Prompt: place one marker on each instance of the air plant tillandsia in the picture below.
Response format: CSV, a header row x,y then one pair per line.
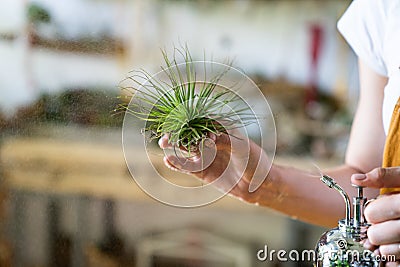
x,y
184,106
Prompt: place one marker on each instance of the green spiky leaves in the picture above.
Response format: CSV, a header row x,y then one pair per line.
x,y
186,100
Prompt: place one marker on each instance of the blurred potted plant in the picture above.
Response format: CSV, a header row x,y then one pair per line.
x,y
37,16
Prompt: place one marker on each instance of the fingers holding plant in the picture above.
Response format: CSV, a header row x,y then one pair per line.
x,y
236,164
199,159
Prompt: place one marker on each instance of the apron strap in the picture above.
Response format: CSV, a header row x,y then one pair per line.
x,y
391,154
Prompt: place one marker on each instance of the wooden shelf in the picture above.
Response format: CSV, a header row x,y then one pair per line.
x,y
106,45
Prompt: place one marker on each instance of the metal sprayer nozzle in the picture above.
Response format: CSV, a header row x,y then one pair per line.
x,y
330,182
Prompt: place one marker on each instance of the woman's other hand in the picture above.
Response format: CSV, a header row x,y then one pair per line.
x,y
384,212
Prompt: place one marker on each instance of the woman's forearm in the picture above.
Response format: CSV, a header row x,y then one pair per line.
x,y
302,195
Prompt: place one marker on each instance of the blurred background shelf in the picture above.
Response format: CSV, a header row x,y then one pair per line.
x,y
103,45
89,161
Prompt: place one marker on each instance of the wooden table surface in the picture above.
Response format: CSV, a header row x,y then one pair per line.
x,y
88,161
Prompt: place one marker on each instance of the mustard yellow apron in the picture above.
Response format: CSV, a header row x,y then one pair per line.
x,y
391,154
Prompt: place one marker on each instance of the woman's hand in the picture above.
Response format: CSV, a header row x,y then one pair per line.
x,y
234,164
384,212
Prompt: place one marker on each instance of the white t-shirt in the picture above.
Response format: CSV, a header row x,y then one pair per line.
x,y
372,29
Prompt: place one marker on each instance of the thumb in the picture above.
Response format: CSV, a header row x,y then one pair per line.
x,y
221,140
378,178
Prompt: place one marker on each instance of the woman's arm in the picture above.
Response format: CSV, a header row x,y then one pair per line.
x,y
367,138
297,193
312,201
